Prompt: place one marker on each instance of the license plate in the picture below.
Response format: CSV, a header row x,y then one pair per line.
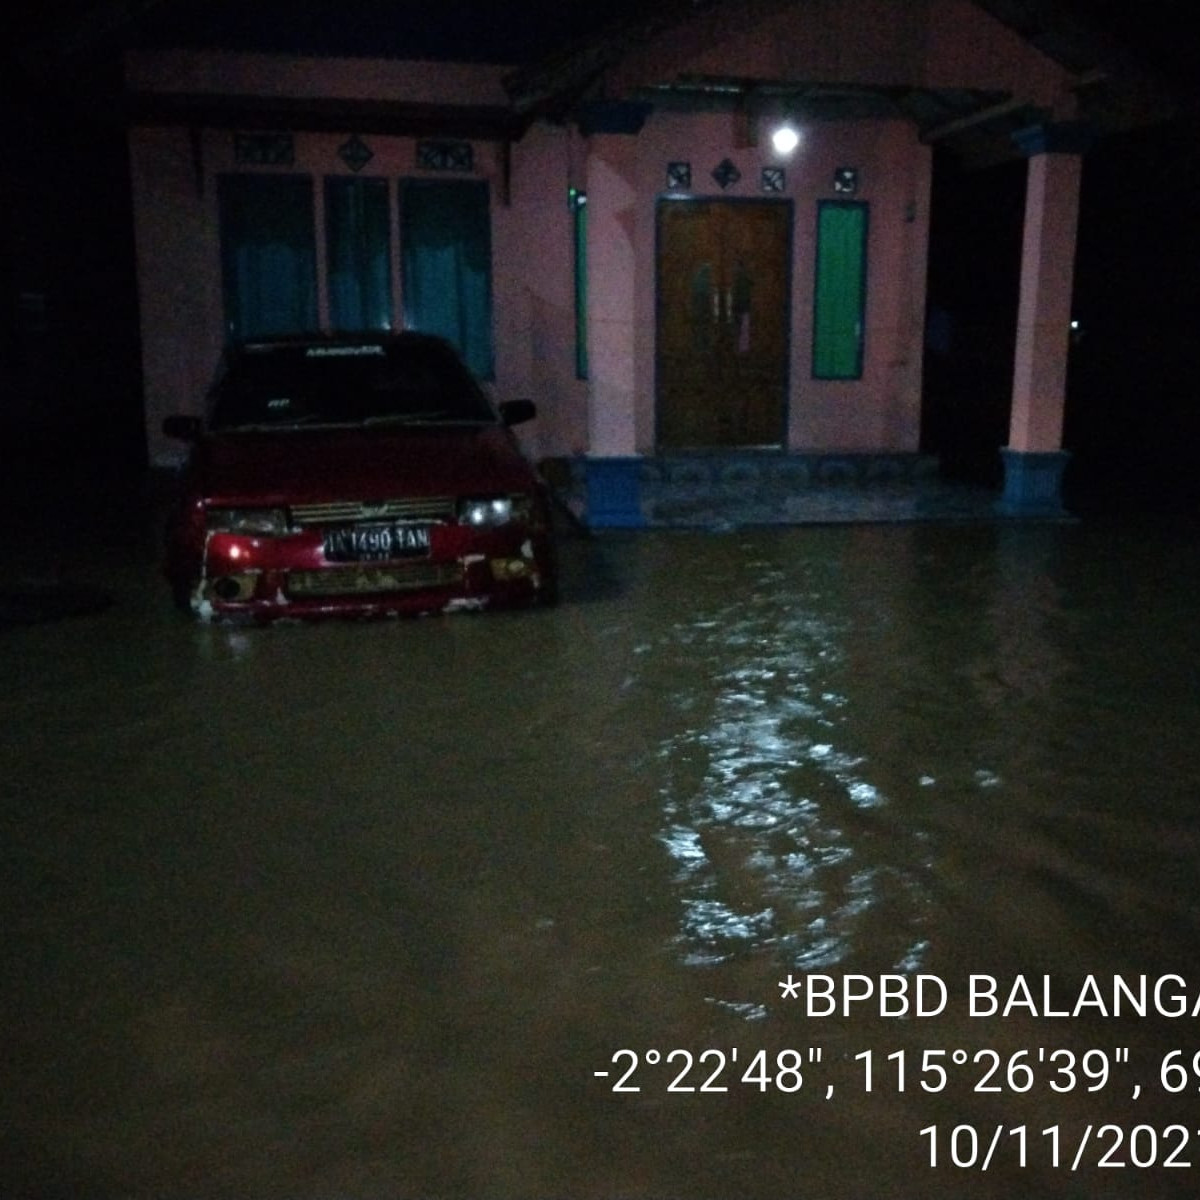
x,y
376,543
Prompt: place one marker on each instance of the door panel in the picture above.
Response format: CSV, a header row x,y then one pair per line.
x,y
722,322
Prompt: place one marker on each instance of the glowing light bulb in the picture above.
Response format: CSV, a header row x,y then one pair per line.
x,y
785,139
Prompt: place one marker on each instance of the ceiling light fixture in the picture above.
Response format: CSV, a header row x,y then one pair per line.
x,y
785,139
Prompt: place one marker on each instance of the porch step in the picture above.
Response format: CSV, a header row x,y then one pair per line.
x,y
711,490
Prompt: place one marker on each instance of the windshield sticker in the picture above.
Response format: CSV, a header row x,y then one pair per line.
x,y
344,351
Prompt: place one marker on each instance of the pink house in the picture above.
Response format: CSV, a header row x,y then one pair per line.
x,y
701,238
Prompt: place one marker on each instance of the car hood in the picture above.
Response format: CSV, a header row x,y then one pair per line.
x,y
308,466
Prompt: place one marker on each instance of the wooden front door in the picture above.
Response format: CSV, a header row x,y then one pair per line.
x,y
723,319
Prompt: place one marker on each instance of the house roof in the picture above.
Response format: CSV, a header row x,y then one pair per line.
x,y
1116,88
1124,73
65,47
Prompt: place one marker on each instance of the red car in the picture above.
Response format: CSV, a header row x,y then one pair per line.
x,y
355,475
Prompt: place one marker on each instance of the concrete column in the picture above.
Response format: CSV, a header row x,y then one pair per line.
x,y
1034,459
612,466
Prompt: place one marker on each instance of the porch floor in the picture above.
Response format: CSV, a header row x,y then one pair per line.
x,y
720,491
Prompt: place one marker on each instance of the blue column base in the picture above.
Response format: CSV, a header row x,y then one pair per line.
x,y
1032,483
614,493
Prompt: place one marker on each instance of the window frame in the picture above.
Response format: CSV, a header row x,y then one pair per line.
x,y
234,201
380,185
409,187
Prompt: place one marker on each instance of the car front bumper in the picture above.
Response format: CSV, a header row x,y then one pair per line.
x,y
265,578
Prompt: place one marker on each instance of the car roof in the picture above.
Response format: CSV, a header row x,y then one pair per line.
x,y
303,341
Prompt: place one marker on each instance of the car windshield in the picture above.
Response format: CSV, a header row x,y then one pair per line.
x,y
347,383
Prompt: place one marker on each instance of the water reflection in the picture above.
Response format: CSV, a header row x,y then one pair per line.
x,y
1022,602
768,810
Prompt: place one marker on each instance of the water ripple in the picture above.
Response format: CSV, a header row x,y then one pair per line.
x,y
767,810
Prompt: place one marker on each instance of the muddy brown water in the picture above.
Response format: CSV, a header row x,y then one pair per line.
x,y
365,910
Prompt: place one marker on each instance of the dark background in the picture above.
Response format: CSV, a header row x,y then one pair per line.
x,y
70,389
1132,420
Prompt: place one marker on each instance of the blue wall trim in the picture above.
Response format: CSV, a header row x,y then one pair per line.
x,y
614,493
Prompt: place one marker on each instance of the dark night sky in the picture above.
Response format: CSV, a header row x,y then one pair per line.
x,y
1153,30
474,30
491,32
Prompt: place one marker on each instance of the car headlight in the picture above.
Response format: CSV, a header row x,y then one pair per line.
x,y
483,512
246,520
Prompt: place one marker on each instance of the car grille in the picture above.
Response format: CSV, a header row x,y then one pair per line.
x,y
352,581
338,512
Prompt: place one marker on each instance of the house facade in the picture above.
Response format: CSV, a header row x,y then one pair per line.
x,y
618,233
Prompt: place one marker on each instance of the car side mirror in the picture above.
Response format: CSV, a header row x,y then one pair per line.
x,y
517,412
186,429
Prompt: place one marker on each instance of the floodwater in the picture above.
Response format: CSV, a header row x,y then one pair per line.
x,y
400,909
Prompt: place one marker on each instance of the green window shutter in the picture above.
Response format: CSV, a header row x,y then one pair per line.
x,y
358,253
578,202
446,260
841,286
268,254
